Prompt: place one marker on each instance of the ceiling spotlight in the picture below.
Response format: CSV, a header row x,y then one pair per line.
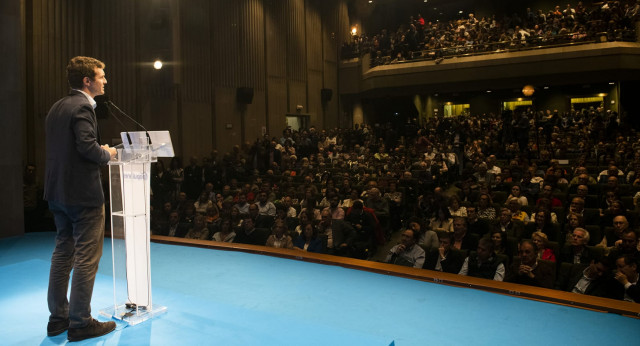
x,y
157,64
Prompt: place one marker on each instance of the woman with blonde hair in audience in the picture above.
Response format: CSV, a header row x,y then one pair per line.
x,y
542,242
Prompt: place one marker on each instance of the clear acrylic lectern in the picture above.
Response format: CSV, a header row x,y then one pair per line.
x,y
129,176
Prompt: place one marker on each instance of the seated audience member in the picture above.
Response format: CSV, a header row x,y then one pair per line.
x,y
247,233
576,250
627,276
500,246
484,208
541,241
544,203
309,240
280,238
516,212
174,228
199,229
211,215
455,207
408,253
242,204
507,225
620,224
340,235
547,192
304,219
528,270
573,221
542,223
612,171
336,211
428,238
287,203
516,193
442,221
226,233
462,240
364,225
203,203
259,220
627,245
445,258
594,280
265,207
476,225
484,263
375,201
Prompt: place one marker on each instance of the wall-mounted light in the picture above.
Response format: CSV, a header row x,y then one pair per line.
x,y
157,64
354,30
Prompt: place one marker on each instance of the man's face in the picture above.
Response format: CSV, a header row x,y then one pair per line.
x,y
407,238
627,269
483,252
620,224
597,270
629,241
96,85
471,213
527,254
262,197
445,243
547,190
578,238
334,201
582,190
505,216
286,202
253,210
174,218
577,205
459,226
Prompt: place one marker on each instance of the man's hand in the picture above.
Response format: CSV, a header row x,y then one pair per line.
x,y
112,151
441,251
400,249
621,278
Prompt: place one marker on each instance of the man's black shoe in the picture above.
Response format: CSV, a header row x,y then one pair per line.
x,y
92,330
57,328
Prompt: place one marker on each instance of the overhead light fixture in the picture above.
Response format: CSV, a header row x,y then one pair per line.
x,y
546,88
612,83
488,91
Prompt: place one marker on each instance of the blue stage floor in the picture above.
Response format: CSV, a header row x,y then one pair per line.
x,y
230,298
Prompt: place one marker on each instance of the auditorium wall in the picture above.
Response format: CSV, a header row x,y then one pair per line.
x,y
286,51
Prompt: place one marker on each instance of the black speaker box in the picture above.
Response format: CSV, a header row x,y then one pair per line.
x,y
244,95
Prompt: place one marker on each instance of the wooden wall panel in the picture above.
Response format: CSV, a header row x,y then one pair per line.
x,y
57,33
196,50
314,85
296,41
277,104
252,48
276,38
225,41
227,112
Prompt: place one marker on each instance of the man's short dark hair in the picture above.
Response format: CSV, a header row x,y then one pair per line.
x,y
80,67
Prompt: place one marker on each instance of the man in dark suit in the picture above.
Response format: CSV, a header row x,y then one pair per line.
x,y
73,188
445,258
594,280
340,235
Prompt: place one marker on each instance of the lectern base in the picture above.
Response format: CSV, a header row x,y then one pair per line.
x,y
133,316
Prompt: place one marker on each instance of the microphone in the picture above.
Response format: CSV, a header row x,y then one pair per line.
x,y
111,104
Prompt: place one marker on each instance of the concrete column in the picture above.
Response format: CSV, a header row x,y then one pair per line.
x,y
12,120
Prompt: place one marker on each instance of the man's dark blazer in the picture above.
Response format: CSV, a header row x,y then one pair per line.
x,y
601,287
342,233
73,154
452,264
